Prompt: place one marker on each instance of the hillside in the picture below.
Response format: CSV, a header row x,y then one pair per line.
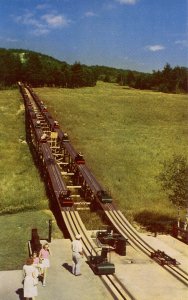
x,y
124,144
23,201
23,53
126,135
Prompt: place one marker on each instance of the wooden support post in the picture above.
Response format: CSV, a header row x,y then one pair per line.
x,y
50,231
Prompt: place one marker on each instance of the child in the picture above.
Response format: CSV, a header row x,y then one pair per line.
x,y
35,258
44,258
36,263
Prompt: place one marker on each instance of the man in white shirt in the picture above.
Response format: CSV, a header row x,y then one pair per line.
x,y
77,254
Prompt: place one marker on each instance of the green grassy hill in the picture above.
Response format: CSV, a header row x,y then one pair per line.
x,y
125,136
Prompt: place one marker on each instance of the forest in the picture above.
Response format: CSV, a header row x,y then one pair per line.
x,y
42,70
169,80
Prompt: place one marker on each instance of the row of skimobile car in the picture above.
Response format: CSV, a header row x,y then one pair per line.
x,y
37,116
74,160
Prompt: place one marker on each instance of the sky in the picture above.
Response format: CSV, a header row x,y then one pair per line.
x,y
140,35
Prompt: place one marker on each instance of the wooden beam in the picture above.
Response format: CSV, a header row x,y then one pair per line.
x,y
82,203
74,186
66,173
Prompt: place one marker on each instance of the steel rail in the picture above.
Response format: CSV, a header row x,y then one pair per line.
x,y
111,277
150,248
124,232
124,227
75,225
137,241
127,231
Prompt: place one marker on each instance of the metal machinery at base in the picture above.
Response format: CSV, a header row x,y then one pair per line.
x,y
100,264
163,259
113,239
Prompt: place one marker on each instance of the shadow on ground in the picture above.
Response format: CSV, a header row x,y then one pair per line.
x,y
154,221
67,267
19,292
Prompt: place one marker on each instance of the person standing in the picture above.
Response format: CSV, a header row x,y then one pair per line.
x,y
30,280
45,262
77,254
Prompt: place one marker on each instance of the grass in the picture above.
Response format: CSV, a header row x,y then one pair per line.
x,y
125,136
20,185
16,231
21,188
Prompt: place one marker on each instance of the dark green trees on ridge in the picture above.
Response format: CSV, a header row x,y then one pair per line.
x,y
169,80
42,70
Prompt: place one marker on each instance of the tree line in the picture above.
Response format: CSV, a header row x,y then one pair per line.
x,y
42,70
169,80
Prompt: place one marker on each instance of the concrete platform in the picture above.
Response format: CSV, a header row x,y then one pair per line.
x,y
61,284
11,285
144,278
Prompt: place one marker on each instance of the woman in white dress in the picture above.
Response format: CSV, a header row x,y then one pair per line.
x,y
30,280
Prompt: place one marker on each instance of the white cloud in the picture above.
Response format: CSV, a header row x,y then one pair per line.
x,y
42,6
28,19
11,40
131,2
43,24
155,48
55,20
90,14
40,31
183,43
110,6
8,39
